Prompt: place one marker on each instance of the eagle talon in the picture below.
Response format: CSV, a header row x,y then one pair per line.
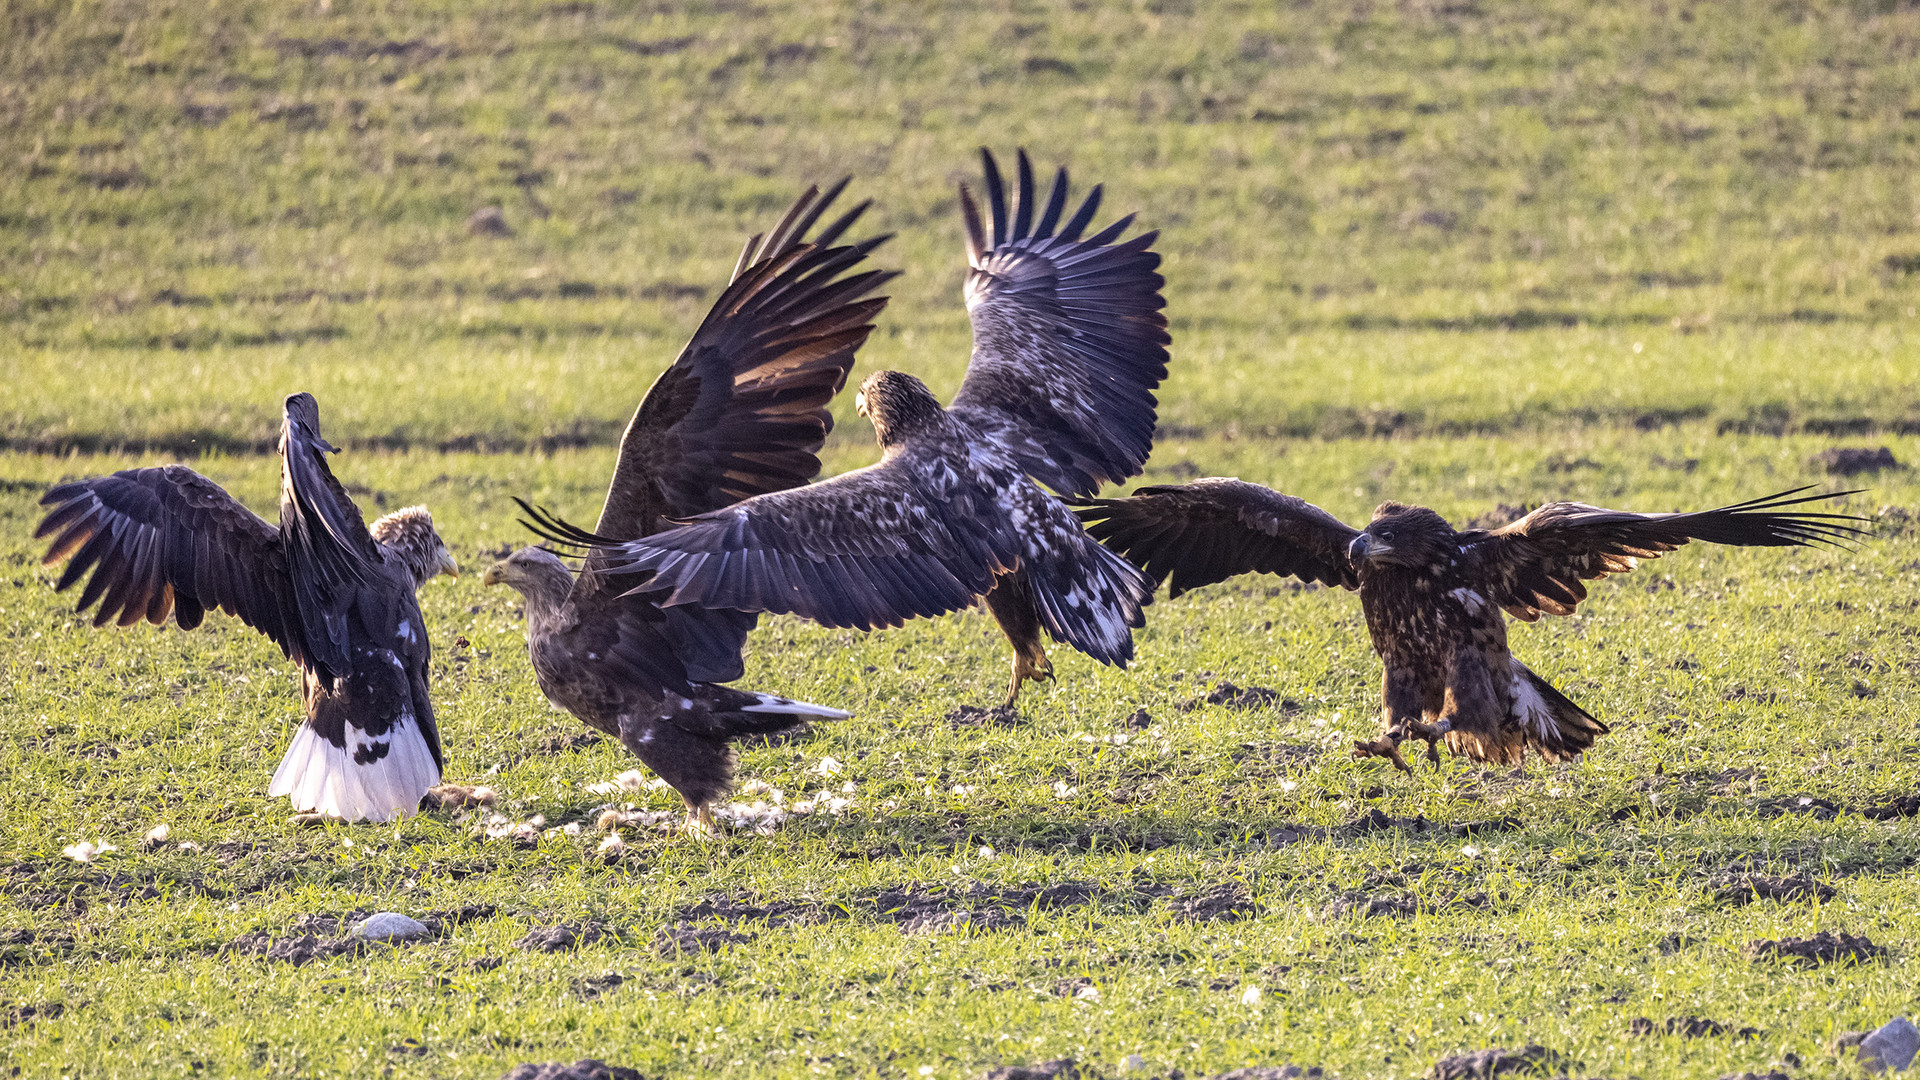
x,y
700,824
1385,746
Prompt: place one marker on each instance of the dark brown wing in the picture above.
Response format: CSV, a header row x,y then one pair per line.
x,y
329,552
1069,339
1535,566
1213,529
743,410
169,540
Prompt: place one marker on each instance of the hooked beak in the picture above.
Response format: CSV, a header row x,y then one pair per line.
x,y
449,567
495,574
860,403
1357,551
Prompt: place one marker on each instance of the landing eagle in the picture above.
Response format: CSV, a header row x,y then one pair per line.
x,y
1433,596
334,594
742,411
1069,343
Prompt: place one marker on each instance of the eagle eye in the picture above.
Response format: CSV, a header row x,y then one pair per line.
x,y
1387,535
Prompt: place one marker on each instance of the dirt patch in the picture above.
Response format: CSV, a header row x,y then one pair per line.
x,y
1811,805
29,1014
1061,1069
562,937
973,716
441,921
584,1069
1496,1061
1854,460
1743,889
683,940
560,742
296,949
1825,947
921,909
1141,720
1226,902
1900,806
588,987
1402,906
1230,696
1689,1027
1274,1072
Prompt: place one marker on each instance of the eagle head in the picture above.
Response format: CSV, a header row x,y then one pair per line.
x,y
1402,535
898,404
535,573
410,534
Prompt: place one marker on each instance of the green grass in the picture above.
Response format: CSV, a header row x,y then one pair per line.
x,y
1648,256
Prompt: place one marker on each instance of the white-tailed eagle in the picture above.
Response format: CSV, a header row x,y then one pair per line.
x,y
1433,597
743,411
335,595
1069,343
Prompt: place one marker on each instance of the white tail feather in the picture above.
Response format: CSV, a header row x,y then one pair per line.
x,y
773,703
322,778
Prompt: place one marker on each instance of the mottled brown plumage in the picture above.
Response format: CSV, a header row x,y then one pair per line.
x,y
1069,343
336,596
1433,596
742,411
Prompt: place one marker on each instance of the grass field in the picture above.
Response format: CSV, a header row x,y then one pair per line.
x,y
1468,254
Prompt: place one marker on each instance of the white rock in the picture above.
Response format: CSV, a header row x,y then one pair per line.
x,y
1250,996
391,926
86,850
1891,1046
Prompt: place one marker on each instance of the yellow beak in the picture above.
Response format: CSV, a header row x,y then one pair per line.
x,y
495,574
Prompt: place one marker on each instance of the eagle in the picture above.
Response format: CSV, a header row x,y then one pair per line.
x,y
1433,596
336,595
1069,343
742,411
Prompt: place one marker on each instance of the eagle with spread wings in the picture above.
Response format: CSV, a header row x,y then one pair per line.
x,y
334,594
1069,343
741,412
1433,596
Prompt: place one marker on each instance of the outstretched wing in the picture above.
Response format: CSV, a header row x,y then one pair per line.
x,y
329,552
1213,529
1069,339
169,540
1535,566
914,536
744,409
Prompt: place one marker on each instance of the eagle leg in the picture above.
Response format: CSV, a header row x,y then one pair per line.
x,y
1012,604
700,824
1431,734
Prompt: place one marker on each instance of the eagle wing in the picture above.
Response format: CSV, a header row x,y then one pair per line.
x,y
744,409
1535,566
916,535
1213,529
168,539
1069,339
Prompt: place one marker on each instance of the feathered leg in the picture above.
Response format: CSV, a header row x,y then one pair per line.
x,y
1012,604
1400,709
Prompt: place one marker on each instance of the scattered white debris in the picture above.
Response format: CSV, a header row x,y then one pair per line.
x,y
188,846
1250,996
849,787
985,852
761,787
1470,851
502,827
926,1070
571,828
86,850
1116,739
462,796
828,767
1064,790
962,790
156,837
631,780
1133,1063
1087,993
1289,785
759,816
391,926
612,847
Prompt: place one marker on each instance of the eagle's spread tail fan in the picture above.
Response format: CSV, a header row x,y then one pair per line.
x,y
366,778
1091,599
1554,727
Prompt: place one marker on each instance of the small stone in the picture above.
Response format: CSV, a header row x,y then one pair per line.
x,y
391,926
1890,1047
489,221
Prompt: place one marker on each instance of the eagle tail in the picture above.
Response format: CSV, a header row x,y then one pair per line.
x,y
1554,727
367,778
1090,598
771,713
